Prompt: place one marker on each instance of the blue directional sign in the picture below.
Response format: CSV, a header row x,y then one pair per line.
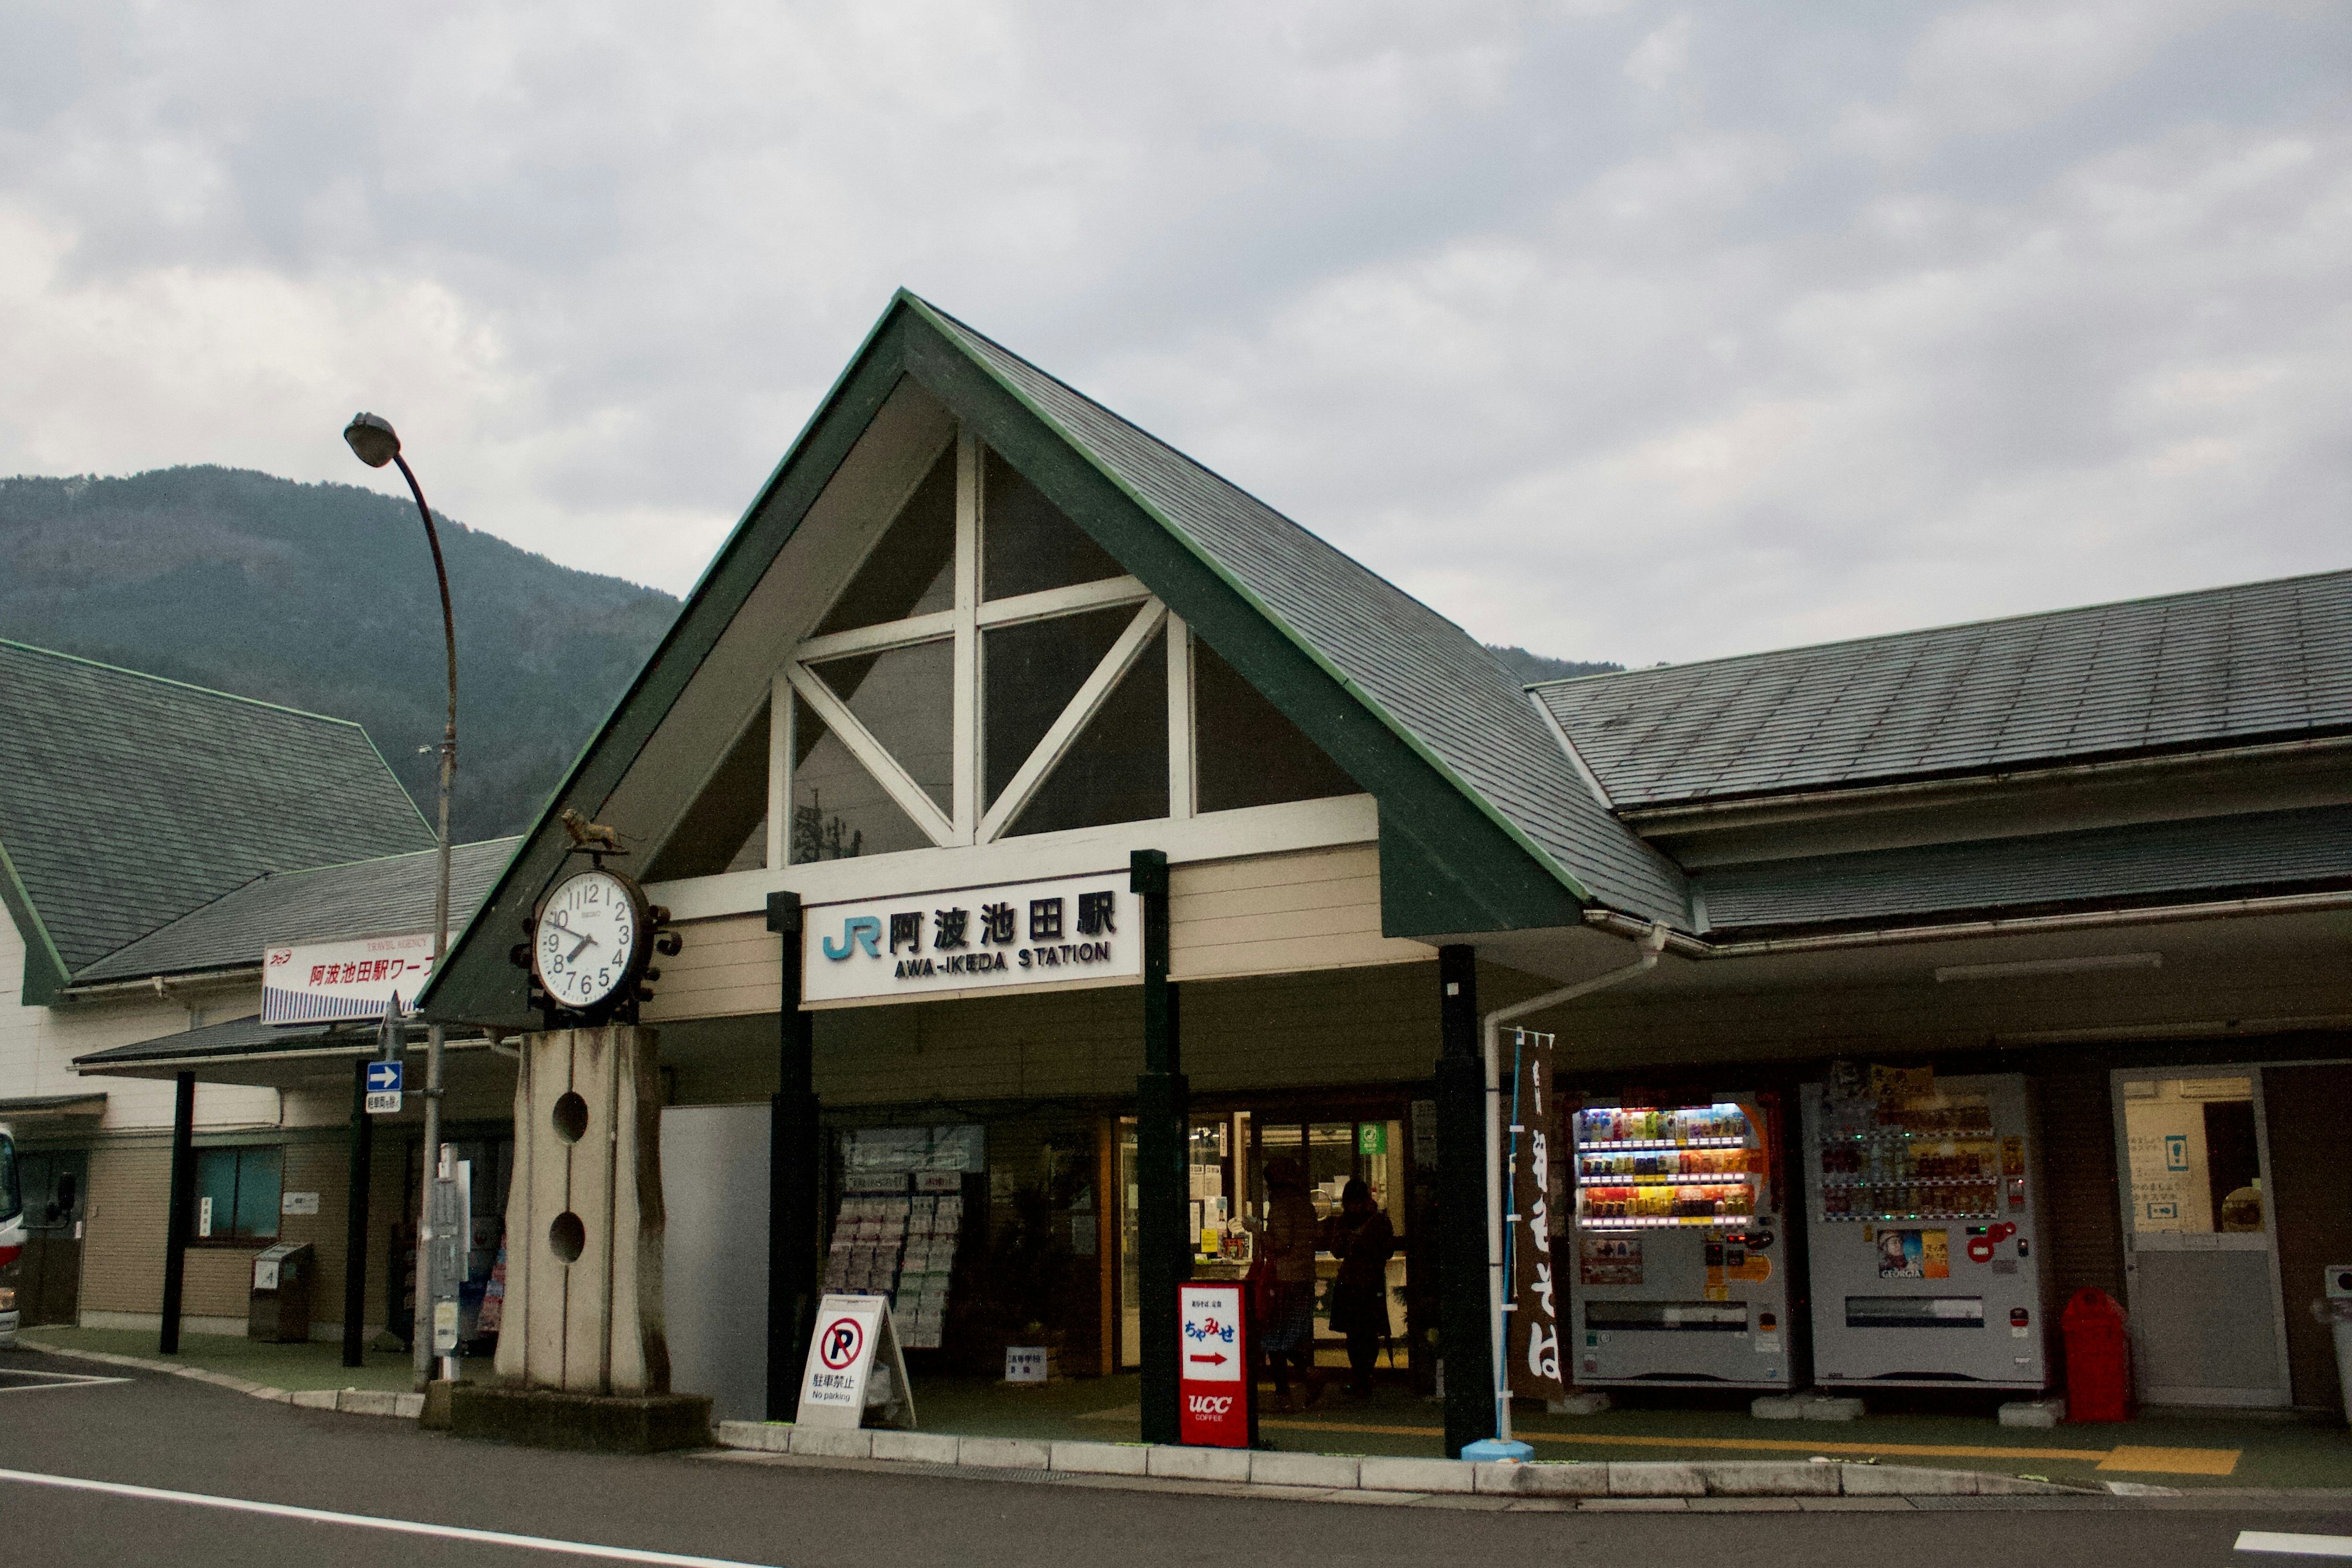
x,y
383,1084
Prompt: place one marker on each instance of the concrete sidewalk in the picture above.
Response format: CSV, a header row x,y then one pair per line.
x,y
291,1368
2170,1450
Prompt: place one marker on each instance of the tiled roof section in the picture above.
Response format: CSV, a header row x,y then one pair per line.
x,y
2223,666
237,1037
368,898
2201,857
1423,674
127,801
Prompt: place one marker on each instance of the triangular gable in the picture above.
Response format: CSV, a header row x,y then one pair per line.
x,y
1483,823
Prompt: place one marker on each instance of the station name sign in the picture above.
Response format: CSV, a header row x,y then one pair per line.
x,y
1070,929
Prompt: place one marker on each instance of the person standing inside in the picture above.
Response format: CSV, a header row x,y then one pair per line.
x,y
1286,1329
1364,1241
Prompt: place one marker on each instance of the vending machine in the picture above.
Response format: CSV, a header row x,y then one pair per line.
x,y
1677,1263
1923,1198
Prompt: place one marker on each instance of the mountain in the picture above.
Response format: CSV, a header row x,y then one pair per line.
x,y
321,597
1534,666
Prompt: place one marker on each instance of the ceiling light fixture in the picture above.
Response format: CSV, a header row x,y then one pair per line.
x,y
2032,967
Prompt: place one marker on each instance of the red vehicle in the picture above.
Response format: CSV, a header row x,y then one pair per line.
x,y
12,1238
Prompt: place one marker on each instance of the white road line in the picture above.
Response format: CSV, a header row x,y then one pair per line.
x,y
369,1522
2287,1545
56,1380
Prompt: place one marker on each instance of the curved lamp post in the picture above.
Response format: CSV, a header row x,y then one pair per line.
x,y
373,438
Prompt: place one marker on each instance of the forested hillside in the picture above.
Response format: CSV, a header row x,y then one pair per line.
x,y
321,596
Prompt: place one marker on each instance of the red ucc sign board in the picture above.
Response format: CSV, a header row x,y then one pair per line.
x,y
1214,1381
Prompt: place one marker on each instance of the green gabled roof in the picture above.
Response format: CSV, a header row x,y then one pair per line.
x,y
127,800
388,895
1485,824
2219,666
1434,684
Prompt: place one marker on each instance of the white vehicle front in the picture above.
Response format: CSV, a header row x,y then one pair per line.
x,y
12,1238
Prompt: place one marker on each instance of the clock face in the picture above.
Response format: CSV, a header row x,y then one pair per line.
x,y
589,940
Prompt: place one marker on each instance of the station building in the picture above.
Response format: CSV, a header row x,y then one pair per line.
x,y
981,656
979,642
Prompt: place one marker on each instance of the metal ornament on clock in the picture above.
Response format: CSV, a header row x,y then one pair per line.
x,y
615,1000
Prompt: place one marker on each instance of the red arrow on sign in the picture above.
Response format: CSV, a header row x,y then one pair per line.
x,y
1217,1360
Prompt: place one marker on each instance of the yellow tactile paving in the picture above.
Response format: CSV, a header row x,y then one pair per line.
x,y
2173,1461
2153,1461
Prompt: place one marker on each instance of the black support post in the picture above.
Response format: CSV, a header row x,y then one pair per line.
x,y
178,1216
355,1223
1463,1321
1165,1259
795,1148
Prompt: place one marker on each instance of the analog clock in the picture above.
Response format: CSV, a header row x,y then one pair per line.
x,y
591,942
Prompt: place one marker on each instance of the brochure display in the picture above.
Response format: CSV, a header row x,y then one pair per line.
x,y
1677,1263
902,1247
1924,1200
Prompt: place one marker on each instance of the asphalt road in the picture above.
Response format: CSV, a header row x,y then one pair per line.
x,y
176,1436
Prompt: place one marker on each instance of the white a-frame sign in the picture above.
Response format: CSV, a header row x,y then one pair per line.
x,y
854,1369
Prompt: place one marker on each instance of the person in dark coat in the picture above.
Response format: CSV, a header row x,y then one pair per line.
x,y
1360,1236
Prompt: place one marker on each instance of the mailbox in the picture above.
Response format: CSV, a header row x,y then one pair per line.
x,y
278,1310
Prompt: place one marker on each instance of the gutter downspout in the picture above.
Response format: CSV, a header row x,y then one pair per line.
x,y
1653,941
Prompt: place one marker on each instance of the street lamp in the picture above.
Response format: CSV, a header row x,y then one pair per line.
x,y
376,443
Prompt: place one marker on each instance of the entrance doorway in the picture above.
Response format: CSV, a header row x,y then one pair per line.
x,y
54,1181
2201,1247
1228,1151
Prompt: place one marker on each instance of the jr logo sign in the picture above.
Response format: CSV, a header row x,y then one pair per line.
x,y
858,930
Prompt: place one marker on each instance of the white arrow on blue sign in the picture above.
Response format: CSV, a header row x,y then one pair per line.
x,y
383,1080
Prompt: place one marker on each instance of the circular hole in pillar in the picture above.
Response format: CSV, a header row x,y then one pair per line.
x,y
567,1236
571,1117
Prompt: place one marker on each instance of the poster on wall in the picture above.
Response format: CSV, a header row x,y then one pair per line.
x,y
1065,933
1538,1293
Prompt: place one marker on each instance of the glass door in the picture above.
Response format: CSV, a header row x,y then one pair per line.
x,y
2201,1259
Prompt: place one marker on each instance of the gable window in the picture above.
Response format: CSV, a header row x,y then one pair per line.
x,y
236,1195
989,671
1249,753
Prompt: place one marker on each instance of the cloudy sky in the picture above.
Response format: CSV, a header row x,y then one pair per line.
x,y
1624,331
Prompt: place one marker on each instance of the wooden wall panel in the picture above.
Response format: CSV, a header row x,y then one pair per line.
x,y
2309,1109
1319,909
728,967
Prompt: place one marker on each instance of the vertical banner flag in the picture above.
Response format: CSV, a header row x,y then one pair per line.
x,y
1537,1292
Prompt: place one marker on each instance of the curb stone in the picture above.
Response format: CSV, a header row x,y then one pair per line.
x,y
1385,1478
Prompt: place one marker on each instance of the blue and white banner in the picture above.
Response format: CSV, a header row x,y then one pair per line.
x,y
335,980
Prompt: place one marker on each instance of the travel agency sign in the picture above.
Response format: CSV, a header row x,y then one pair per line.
x,y
1064,932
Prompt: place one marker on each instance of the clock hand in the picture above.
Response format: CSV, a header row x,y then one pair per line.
x,y
585,941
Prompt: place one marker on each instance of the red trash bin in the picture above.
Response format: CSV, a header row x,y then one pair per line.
x,y
2098,1358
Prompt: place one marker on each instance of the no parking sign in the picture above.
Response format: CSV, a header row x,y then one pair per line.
x,y
841,1382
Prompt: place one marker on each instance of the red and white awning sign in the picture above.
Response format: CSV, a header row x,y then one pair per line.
x,y
308,983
